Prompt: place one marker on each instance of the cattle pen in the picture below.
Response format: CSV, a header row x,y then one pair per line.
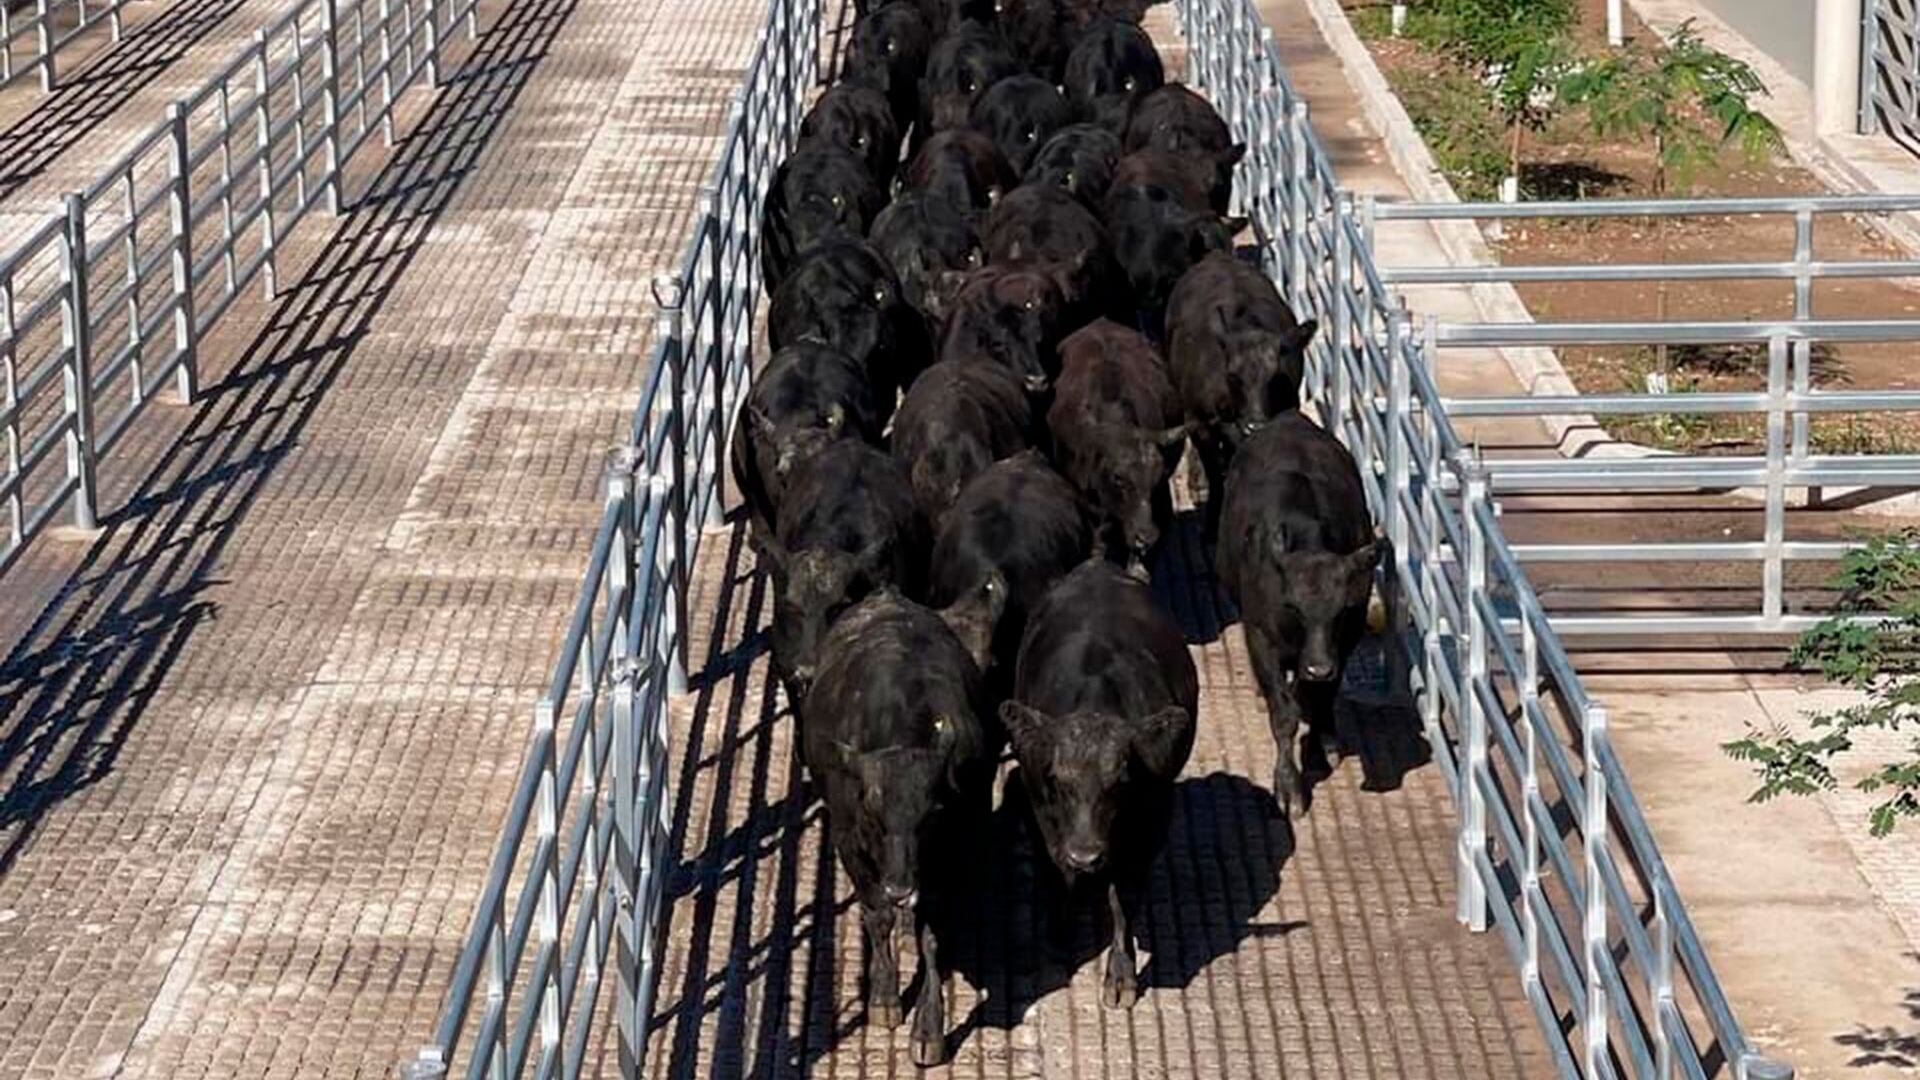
x,y
660,902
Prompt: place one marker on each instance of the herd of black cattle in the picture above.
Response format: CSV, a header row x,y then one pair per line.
x,y
1050,281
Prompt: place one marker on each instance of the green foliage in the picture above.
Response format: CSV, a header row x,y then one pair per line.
x,y
1451,111
1693,101
1880,660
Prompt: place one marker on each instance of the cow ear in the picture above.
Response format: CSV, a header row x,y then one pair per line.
x,y
1361,562
1234,154
1297,337
1023,722
1161,742
1172,436
758,418
1234,225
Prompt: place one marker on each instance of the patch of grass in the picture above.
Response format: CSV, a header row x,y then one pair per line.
x,y
1455,114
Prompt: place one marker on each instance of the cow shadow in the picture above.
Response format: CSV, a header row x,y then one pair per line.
x,y
1219,869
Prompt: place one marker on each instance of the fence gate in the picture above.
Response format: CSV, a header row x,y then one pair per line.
x,y
1890,70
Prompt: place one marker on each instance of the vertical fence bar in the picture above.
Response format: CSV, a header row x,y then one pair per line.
x,y
720,236
130,250
6,44
1432,573
1472,890
386,73
668,295
547,917
268,232
1297,160
1529,678
226,188
1802,309
1774,572
330,71
1341,331
1869,119
299,47
433,44
76,331
43,33
186,333
1595,954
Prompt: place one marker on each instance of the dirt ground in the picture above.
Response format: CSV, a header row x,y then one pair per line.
x,y
1567,161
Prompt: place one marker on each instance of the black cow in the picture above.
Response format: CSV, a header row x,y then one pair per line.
x,y
807,397
858,120
922,237
1010,316
1102,722
1186,178
1175,119
895,735
1032,33
962,168
845,295
888,52
1157,240
1019,114
1112,65
1297,553
1079,159
820,192
1237,355
957,419
846,527
960,69
1046,226
1019,520
1117,435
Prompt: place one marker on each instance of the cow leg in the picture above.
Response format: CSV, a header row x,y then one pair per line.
x,y
1120,987
930,1010
1213,460
883,965
1322,745
1283,717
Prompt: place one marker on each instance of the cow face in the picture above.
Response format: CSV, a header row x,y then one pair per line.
x,y
900,790
818,585
959,71
1077,770
786,446
859,121
888,52
1019,115
1263,372
1128,465
1009,317
1317,588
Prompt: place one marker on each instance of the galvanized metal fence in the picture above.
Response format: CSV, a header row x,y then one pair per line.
x,y
103,306
31,41
1791,465
1890,70
578,879
1552,847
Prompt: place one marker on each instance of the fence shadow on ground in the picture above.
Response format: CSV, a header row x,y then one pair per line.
x,y
74,686
88,95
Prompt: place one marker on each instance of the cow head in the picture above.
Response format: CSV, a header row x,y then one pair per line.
x,y
1012,317
901,792
787,446
1318,587
1263,371
944,467
1128,465
1078,768
816,586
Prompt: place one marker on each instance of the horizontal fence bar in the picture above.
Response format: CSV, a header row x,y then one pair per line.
x,y
1674,333
1728,271
1389,209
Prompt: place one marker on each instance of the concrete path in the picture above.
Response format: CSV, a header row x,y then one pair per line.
x,y
1784,28
255,739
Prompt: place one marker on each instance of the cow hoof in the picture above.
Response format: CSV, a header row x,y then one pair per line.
x,y
1290,798
929,1049
887,1014
1119,990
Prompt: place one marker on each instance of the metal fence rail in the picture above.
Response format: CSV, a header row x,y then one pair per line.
x,y
1552,848
1789,463
579,871
103,306
31,40
1890,70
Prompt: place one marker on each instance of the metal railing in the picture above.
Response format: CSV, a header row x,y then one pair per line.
x,y
105,304
1890,70
31,40
1552,847
581,868
1789,462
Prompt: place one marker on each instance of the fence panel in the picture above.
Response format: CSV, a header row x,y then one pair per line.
x,y
1890,70
31,39
176,231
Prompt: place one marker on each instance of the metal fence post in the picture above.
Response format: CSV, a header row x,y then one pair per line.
x,y
433,44
43,33
386,73
669,295
330,72
1472,890
1297,158
186,332
1593,835
1338,330
1869,119
268,231
1529,680
1774,569
76,331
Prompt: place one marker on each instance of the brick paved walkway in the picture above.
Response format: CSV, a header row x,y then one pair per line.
x,y
255,739
258,736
